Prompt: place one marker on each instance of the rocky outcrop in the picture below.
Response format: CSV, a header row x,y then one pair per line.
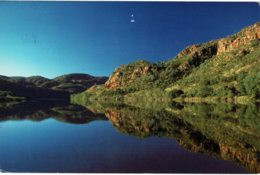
x,y
242,38
188,50
126,74
197,52
114,80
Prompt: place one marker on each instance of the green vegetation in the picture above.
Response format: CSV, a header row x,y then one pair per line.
x,y
225,75
215,71
98,94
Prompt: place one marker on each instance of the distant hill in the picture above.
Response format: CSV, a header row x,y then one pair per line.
x,y
226,69
74,83
41,87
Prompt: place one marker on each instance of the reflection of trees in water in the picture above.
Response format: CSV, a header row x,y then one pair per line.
x,y
41,110
228,131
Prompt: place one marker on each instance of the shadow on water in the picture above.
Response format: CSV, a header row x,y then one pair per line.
x,y
226,131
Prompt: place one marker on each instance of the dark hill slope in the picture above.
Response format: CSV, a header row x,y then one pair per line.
x,y
18,90
41,87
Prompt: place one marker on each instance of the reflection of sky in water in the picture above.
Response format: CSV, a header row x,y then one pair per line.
x,y
52,146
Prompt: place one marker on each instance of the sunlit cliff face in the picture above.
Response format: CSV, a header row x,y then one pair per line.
x,y
242,38
127,74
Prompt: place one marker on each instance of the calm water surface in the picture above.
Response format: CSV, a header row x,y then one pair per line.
x,y
52,145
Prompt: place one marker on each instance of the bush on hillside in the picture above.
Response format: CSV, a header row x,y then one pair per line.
x,y
204,89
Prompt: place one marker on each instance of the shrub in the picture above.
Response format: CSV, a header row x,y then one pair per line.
x,y
251,84
204,91
225,91
255,43
176,93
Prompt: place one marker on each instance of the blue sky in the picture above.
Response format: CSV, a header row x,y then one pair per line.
x,y
55,38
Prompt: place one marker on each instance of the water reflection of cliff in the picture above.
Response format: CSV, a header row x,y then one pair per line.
x,y
229,132
41,110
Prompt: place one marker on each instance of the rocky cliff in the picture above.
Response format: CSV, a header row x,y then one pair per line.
x,y
123,75
240,39
186,60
